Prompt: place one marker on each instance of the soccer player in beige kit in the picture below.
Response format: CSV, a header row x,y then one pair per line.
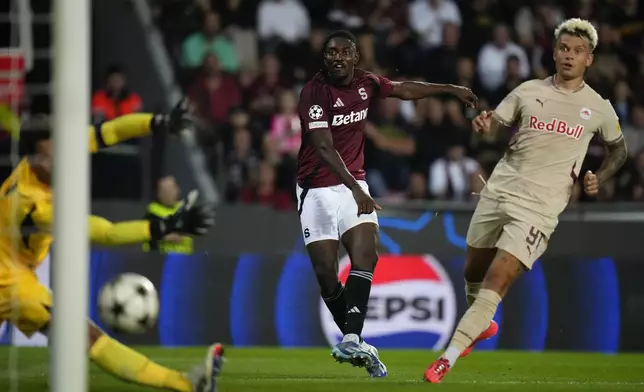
x,y
531,185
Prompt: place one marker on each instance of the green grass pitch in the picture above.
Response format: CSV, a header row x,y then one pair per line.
x,y
311,370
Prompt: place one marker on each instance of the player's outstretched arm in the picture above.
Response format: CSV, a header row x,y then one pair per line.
x,y
190,219
104,232
410,90
138,125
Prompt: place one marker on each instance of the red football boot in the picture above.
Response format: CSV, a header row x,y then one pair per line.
x,y
436,371
492,330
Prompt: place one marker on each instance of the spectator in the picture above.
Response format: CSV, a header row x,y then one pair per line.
x,y
628,18
282,20
284,139
395,44
607,65
431,135
115,98
417,187
493,56
512,80
479,18
308,59
347,15
455,176
621,100
240,19
638,181
537,22
466,76
214,92
263,190
441,62
285,135
392,147
261,94
444,41
459,125
634,132
428,17
241,162
210,41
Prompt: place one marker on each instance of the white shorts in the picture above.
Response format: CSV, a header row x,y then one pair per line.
x,y
327,213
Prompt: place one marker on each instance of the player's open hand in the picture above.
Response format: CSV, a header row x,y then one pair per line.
x,y
591,184
366,204
482,122
465,95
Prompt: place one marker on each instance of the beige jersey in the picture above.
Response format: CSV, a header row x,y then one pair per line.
x,y
545,156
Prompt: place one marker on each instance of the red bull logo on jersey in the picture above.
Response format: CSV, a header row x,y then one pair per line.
x,y
412,304
341,119
558,126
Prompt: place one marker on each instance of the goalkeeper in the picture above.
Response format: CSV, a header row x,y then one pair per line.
x,y
25,238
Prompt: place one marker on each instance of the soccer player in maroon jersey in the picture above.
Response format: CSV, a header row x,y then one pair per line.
x,y
333,198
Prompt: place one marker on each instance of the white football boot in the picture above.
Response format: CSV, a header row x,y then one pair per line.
x,y
204,377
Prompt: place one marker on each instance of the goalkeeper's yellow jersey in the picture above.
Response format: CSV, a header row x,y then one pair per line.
x,y
26,210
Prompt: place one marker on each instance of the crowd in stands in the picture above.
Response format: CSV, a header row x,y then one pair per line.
x,y
243,62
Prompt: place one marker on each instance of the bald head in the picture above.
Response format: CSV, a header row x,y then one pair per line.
x,y
168,191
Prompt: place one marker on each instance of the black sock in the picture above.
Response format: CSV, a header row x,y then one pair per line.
x,y
358,288
337,305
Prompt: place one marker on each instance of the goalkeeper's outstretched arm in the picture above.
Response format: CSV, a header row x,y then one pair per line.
x,y
104,232
119,130
132,126
190,218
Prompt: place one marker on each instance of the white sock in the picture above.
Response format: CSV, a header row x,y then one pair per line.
x,y
451,355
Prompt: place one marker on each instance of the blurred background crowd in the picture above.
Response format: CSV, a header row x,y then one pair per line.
x,y
243,63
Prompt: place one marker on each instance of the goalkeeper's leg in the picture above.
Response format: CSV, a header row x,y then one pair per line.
x,y
129,365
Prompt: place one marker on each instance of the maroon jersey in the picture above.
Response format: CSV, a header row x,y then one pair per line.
x,y
343,110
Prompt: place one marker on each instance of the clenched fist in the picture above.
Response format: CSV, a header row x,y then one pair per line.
x,y
591,185
482,122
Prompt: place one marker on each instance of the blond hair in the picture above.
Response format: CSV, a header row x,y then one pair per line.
x,y
580,28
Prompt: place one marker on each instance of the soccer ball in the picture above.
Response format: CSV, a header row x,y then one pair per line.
x,y
129,303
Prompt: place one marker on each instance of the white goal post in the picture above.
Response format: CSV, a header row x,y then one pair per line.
x,y
71,104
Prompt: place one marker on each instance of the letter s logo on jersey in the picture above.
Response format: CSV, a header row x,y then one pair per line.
x,y
412,304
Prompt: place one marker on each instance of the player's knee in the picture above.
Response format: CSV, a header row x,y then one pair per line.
x,y
477,262
503,271
364,257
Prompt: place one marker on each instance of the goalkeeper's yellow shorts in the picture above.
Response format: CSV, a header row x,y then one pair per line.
x,y
25,303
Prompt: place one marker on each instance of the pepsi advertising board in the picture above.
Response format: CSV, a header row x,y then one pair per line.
x,y
412,304
260,290
416,300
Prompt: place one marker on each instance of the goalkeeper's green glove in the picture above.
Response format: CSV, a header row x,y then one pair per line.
x,y
190,219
